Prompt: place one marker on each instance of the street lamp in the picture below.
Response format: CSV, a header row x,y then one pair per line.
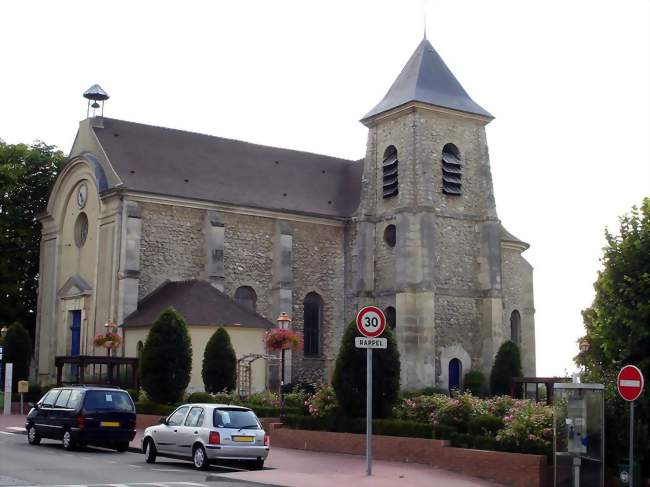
x,y
283,322
584,348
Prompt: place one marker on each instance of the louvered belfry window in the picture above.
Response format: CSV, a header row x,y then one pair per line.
x,y
452,171
390,172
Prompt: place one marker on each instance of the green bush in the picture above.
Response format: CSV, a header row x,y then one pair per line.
x,y
34,394
146,406
474,381
308,387
200,397
349,378
507,364
346,424
485,425
425,391
485,443
167,358
462,440
134,393
443,432
219,363
18,351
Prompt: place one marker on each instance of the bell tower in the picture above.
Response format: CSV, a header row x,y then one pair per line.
x,y
428,237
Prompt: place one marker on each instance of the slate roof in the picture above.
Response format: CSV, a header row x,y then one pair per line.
x,y
171,162
199,302
426,78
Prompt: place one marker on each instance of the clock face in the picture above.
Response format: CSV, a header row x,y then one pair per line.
x,y
82,195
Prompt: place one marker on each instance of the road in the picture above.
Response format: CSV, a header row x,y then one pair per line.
x,y
49,465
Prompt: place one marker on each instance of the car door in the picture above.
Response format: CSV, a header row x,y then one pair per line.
x,y
43,421
166,433
60,414
189,431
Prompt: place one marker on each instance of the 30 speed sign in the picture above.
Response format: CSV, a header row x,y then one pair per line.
x,y
371,321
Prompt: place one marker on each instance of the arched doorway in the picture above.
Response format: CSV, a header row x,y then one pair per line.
x,y
455,374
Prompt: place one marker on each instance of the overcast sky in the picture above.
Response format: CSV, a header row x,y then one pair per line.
x,y
567,81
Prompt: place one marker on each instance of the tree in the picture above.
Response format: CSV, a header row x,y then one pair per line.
x,y
349,378
26,175
617,328
18,351
166,361
507,364
219,363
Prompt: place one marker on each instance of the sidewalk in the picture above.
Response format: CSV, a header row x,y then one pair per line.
x,y
297,468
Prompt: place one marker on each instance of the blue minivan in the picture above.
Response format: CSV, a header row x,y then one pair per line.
x,y
83,415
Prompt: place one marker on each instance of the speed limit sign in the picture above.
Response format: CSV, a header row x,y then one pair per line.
x,y
371,321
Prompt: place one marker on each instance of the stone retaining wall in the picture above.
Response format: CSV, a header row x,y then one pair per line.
x,y
513,469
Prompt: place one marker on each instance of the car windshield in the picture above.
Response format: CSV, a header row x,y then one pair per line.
x,y
108,401
236,419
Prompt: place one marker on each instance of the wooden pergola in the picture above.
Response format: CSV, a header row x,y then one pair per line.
x,y
119,371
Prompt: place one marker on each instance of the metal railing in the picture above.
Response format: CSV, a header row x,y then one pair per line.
x,y
92,369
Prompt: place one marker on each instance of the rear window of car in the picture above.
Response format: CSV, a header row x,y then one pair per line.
x,y
235,418
108,401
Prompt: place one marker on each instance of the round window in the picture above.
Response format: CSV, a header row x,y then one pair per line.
x,y
390,235
81,230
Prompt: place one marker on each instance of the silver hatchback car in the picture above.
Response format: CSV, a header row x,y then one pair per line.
x,y
205,433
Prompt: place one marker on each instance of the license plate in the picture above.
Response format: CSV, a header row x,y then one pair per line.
x,y
243,439
113,424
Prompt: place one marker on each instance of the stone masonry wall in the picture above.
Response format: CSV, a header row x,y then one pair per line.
x,y
247,257
518,295
172,245
318,266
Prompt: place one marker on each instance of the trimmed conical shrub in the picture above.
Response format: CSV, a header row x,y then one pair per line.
x,y
166,361
349,378
219,363
507,364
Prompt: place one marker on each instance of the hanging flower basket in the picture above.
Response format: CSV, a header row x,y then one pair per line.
x,y
282,339
109,340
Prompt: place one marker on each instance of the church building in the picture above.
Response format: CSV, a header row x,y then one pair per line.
x,y
143,217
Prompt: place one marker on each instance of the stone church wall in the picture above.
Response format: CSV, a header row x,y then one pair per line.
x,y
171,246
518,295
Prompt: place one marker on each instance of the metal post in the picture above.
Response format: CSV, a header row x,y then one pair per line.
x,y
369,411
21,404
282,387
631,473
9,368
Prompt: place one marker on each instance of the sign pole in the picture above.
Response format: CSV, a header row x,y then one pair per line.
x,y
369,411
9,368
631,481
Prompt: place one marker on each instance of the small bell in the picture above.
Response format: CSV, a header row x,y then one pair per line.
x,y
95,105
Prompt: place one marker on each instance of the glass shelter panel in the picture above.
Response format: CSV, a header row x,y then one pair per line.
x,y
578,434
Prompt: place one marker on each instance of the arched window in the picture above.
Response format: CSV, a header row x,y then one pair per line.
x,y
455,374
452,170
390,235
389,167
245,295
515,327
391,317
138,349
313,313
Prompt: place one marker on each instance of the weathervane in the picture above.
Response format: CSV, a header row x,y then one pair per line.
x,y
96,94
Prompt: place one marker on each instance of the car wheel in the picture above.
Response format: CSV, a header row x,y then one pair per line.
x,y
256,464
33,438
149,452
68,444
122,446
200,458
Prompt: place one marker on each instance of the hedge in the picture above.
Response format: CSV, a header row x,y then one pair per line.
x,y
345,424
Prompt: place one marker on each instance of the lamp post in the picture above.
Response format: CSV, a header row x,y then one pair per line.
x,y
109,325
584,348
283,322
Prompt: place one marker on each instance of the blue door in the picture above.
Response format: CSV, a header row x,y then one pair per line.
x,y
455,371
75,343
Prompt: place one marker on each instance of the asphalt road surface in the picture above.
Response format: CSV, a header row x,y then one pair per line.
x,y
48,464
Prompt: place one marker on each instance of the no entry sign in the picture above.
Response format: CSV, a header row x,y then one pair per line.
x,y
371,321
630,383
